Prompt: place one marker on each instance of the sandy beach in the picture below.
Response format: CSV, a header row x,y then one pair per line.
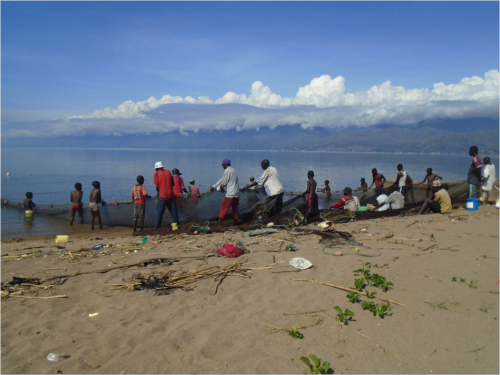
x,y
436,325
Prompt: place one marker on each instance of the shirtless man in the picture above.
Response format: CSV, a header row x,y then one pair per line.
x,y
312,203
94,200
429,177
76,203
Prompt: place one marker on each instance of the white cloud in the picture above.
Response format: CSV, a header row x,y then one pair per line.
x,y
323,102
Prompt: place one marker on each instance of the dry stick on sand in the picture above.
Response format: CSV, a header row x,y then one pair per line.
x,y
430,247
123,266
348,290
62,296
305,312
274,329
387,236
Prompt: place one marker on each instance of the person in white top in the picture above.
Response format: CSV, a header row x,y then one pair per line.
x,y
400,183
488,178
270,179
232,199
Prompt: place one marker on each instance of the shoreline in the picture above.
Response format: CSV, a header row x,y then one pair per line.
x,y
194,330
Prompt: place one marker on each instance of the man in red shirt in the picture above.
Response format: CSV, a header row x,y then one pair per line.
x,y
378,180
164,183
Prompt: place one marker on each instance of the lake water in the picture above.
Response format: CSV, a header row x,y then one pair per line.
x,y
50,173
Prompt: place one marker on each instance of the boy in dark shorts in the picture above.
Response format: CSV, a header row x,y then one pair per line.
x,y
94,200
139,193
326,189
312,202
76,203
28,204
429,177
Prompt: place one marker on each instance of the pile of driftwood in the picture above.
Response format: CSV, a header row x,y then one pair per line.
x,y
163,281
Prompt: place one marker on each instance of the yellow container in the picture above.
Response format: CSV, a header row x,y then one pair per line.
x,y
174,226
62,239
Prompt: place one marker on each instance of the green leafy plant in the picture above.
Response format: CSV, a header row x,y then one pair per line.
x,y
472,284
370,295
316,367
343,317
377,266
382,309
454,303
363,272
462,279
433,238
485,308
358,284
370,306
381,282
353,297
454,279
368,265
294,332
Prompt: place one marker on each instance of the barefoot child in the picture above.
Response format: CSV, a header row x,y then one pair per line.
x,y
139,193
28,205
76,200
312,202
94,200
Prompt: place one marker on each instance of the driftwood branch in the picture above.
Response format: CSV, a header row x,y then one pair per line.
x,y
348,290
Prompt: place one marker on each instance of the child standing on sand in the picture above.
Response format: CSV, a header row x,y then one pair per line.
x,y
76,201
139,193
28,204
94,200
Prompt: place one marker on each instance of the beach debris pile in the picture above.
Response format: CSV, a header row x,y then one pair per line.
x,y
20,286
162,282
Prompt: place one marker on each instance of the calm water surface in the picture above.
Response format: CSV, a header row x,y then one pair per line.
x,y
50,173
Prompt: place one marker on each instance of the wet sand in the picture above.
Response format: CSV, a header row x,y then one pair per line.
x,y
193,331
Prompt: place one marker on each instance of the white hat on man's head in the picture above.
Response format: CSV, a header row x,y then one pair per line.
x,y
158,164
436,183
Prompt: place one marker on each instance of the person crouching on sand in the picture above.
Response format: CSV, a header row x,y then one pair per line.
x,y
139,195
94,200
232,199
76,203
348,200
312,202
439,203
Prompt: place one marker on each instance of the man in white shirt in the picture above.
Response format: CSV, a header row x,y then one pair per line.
x,y
232,199
270,179
488,178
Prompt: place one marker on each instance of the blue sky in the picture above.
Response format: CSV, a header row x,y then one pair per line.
x,y
63,59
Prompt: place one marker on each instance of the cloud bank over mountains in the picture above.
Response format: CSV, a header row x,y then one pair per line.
x,y
322,103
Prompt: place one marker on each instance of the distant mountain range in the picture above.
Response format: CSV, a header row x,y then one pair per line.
x,y
448,136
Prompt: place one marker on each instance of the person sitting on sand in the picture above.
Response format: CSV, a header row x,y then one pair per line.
x,y
488,179
394,201
429,177
378,180
326,189
232,199
139,195
164,183
348,201
94,200
439,203
312,202
77,205
28,204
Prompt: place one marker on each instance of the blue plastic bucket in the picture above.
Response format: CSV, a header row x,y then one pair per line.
x,y
472,204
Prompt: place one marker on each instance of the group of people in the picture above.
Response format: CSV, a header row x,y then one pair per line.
x,y
170,186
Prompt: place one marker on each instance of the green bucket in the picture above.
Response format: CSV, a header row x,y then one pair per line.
x,y
363,208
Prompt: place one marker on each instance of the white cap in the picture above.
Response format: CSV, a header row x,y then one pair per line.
x,y
158,164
